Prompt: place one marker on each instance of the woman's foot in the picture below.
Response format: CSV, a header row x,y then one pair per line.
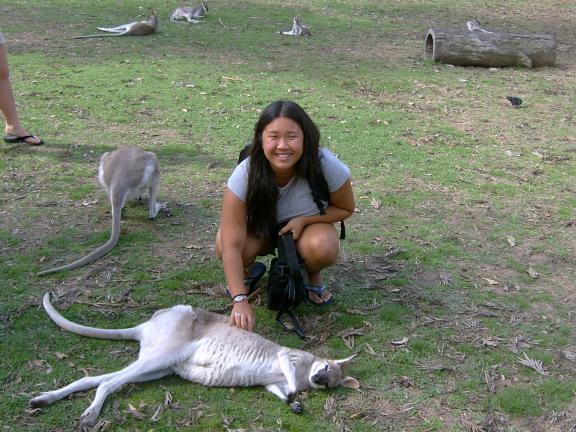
x,y
19,135
319,295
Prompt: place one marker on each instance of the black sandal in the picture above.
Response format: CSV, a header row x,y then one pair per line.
x,y
319,290
13,139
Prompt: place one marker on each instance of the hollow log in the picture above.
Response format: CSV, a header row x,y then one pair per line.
x,y
491,49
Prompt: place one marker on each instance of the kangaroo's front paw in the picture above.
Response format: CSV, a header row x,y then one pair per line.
x,y
290,397
159,207
164,209
296,407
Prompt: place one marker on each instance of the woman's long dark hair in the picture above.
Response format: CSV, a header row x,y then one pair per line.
x,y
262,193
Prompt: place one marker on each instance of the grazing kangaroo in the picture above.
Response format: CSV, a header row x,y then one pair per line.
x,y
190,13
125,174
298,29
137,28
202,347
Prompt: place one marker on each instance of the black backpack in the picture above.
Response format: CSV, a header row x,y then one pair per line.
x,y
287,281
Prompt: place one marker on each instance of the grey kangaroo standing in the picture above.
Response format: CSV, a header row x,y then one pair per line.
x,y
125,174
202,347
190,13
137,28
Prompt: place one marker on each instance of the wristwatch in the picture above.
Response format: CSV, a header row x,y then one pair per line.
x,y
239,298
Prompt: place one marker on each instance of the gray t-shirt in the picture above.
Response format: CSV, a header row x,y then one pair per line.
x,y
294,199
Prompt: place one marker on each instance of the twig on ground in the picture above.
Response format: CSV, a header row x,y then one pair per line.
x,y
226,27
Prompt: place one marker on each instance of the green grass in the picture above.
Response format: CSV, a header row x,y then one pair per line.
x,y
549,394
443,169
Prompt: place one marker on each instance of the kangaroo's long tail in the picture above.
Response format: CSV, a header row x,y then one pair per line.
x,y
97,35
102,250
132,333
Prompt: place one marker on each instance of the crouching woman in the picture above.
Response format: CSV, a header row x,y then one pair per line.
x,y
269,194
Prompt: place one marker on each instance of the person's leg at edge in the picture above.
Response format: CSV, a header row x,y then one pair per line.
x,y
319,246
7,102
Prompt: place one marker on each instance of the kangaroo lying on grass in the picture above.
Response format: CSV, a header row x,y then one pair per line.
x,y
137,28
125,174
190,13
202,347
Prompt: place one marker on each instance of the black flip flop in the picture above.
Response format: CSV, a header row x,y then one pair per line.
x,y
13,139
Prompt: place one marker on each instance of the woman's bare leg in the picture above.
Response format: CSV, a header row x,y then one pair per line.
x,y
7,102
253,247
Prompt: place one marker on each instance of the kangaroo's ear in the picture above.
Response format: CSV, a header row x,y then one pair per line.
x,y
349,382
345,362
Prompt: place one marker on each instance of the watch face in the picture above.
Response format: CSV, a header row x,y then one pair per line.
x,y
240,298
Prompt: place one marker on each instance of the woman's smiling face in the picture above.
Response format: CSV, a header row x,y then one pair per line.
x,y
283,145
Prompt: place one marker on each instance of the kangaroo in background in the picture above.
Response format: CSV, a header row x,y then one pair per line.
x,y
298,29
190,13
202,347
474,25
125,174
136,28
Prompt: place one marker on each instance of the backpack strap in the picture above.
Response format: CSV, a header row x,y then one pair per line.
x,y
297,327
287,251
245,152
318,200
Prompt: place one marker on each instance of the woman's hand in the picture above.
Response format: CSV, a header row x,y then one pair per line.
x,y
295,225
242,316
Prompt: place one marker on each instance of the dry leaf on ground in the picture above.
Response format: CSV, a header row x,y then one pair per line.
x,y
533,273
400,342
135,413
570,354
533,364
490,342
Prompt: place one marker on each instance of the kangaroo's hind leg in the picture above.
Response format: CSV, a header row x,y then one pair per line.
x,y
120,29
140,371
82,384
154,207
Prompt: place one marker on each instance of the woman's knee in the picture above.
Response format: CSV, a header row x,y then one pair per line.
x,y
321,246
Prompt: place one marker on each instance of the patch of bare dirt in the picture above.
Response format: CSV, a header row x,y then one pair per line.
x,y
562,421
373,408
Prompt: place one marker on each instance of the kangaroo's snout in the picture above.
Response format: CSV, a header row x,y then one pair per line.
x,y
320,378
